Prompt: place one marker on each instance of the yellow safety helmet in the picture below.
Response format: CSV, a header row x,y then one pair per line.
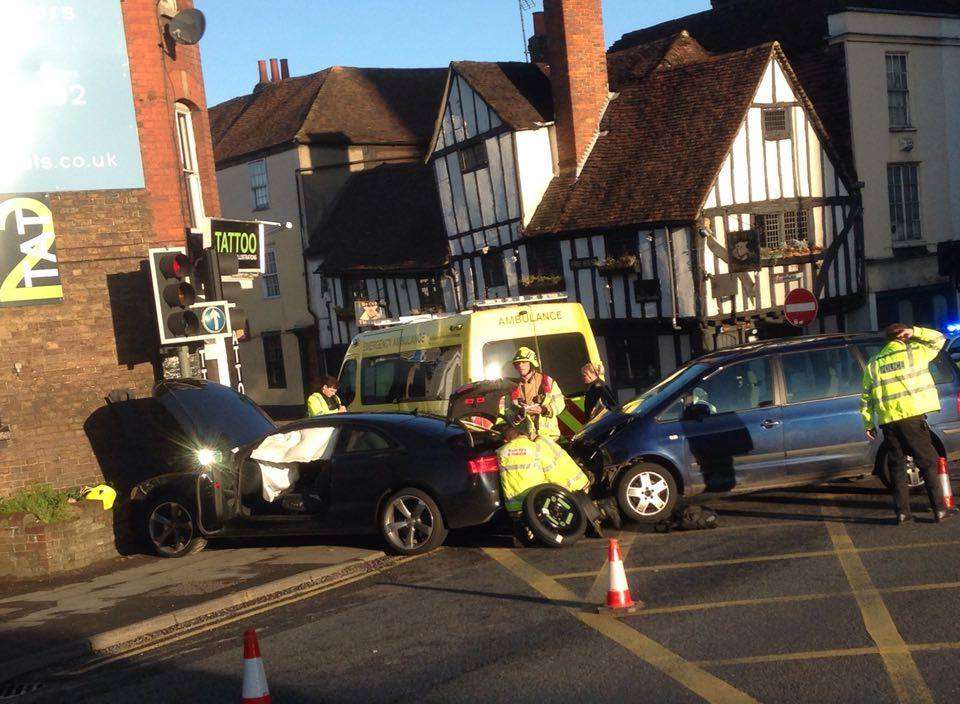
x,y
103,493
525,354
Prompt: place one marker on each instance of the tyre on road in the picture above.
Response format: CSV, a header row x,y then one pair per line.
x,y
411,523
647,493
915,478
554,515
171,527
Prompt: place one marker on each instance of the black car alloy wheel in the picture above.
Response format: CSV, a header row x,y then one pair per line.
x,y
411,522
171,529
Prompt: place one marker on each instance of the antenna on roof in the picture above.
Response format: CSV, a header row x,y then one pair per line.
x,y
525,6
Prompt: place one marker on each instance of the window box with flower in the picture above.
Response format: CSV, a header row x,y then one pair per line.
x,y
541,283
625,263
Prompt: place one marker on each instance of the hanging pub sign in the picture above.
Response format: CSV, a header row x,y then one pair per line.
x,y
743,250
368,313
243,238
28,253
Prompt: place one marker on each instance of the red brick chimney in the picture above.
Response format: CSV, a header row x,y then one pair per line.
x,y
262,68
578,75
537,44
274,71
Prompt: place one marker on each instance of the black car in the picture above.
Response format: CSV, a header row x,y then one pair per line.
x,y
409,477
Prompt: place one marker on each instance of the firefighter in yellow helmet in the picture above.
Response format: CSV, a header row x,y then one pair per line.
x,y
536,402
899,391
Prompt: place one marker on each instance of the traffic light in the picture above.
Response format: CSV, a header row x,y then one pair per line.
x,y
173,294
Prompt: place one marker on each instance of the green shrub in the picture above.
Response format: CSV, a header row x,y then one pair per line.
x,y
43,501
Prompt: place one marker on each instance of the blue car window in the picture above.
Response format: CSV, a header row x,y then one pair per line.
x,y
739,387
820,374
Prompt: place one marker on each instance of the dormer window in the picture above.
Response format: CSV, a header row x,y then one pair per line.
x,y
473,157
776,124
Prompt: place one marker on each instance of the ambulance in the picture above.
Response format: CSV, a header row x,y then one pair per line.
x,y
416,364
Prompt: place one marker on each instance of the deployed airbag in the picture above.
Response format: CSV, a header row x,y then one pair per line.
x,y
279,456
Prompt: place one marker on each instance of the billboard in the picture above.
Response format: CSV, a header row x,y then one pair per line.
x,y
69,122
28,252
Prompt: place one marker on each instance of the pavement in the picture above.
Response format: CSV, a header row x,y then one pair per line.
x,y
45,622
800,596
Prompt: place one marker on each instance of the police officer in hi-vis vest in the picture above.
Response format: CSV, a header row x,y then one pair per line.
x,y
899,391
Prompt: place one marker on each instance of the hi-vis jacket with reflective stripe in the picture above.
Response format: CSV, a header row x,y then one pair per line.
x,y
525,464
520,471
897,383
559,467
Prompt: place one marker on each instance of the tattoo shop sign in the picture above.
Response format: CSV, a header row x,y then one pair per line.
x,y
28,255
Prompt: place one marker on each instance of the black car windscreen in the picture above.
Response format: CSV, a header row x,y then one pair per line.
x,y
220,416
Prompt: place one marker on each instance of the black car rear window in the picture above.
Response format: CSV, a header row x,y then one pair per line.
x,y
219,415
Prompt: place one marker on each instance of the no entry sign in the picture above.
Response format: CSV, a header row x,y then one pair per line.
x,y
801,307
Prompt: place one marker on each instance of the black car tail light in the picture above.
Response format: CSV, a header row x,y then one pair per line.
x,y
484,464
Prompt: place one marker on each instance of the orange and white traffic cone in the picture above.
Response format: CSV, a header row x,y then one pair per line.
x,y
619,601
947,503
254,678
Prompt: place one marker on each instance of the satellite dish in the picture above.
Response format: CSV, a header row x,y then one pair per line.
x,y
187,26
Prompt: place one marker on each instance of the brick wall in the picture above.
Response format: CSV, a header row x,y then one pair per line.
x,y
29,548
101,336
578,74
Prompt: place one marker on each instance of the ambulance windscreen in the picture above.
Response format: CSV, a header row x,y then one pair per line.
x,y
561,357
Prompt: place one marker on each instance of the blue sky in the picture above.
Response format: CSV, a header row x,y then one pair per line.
x,y
314,34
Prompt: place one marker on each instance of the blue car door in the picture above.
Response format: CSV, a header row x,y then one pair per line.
x,y
739,443
823,434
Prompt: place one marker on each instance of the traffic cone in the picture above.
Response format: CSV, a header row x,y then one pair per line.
x,y
254,678
945,488
619,601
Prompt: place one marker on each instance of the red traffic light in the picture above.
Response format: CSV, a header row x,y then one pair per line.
x,y
175,266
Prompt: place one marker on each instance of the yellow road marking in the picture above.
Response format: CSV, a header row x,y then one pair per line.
x,y
694,678
768,558
823,654
789,598
903,672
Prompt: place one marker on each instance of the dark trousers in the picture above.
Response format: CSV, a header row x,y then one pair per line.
x,y
911,436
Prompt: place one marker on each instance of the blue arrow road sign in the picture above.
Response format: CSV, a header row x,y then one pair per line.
x,y
214,320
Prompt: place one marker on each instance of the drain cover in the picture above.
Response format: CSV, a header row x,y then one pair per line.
x,y
9,691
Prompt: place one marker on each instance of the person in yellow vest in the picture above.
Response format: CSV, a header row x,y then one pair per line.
x,y
325,401
559,467
898,391
537,400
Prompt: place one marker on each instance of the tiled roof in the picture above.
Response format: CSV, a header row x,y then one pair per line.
x,y
385,219
662,140
339,104
800,26
518,92
270,116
